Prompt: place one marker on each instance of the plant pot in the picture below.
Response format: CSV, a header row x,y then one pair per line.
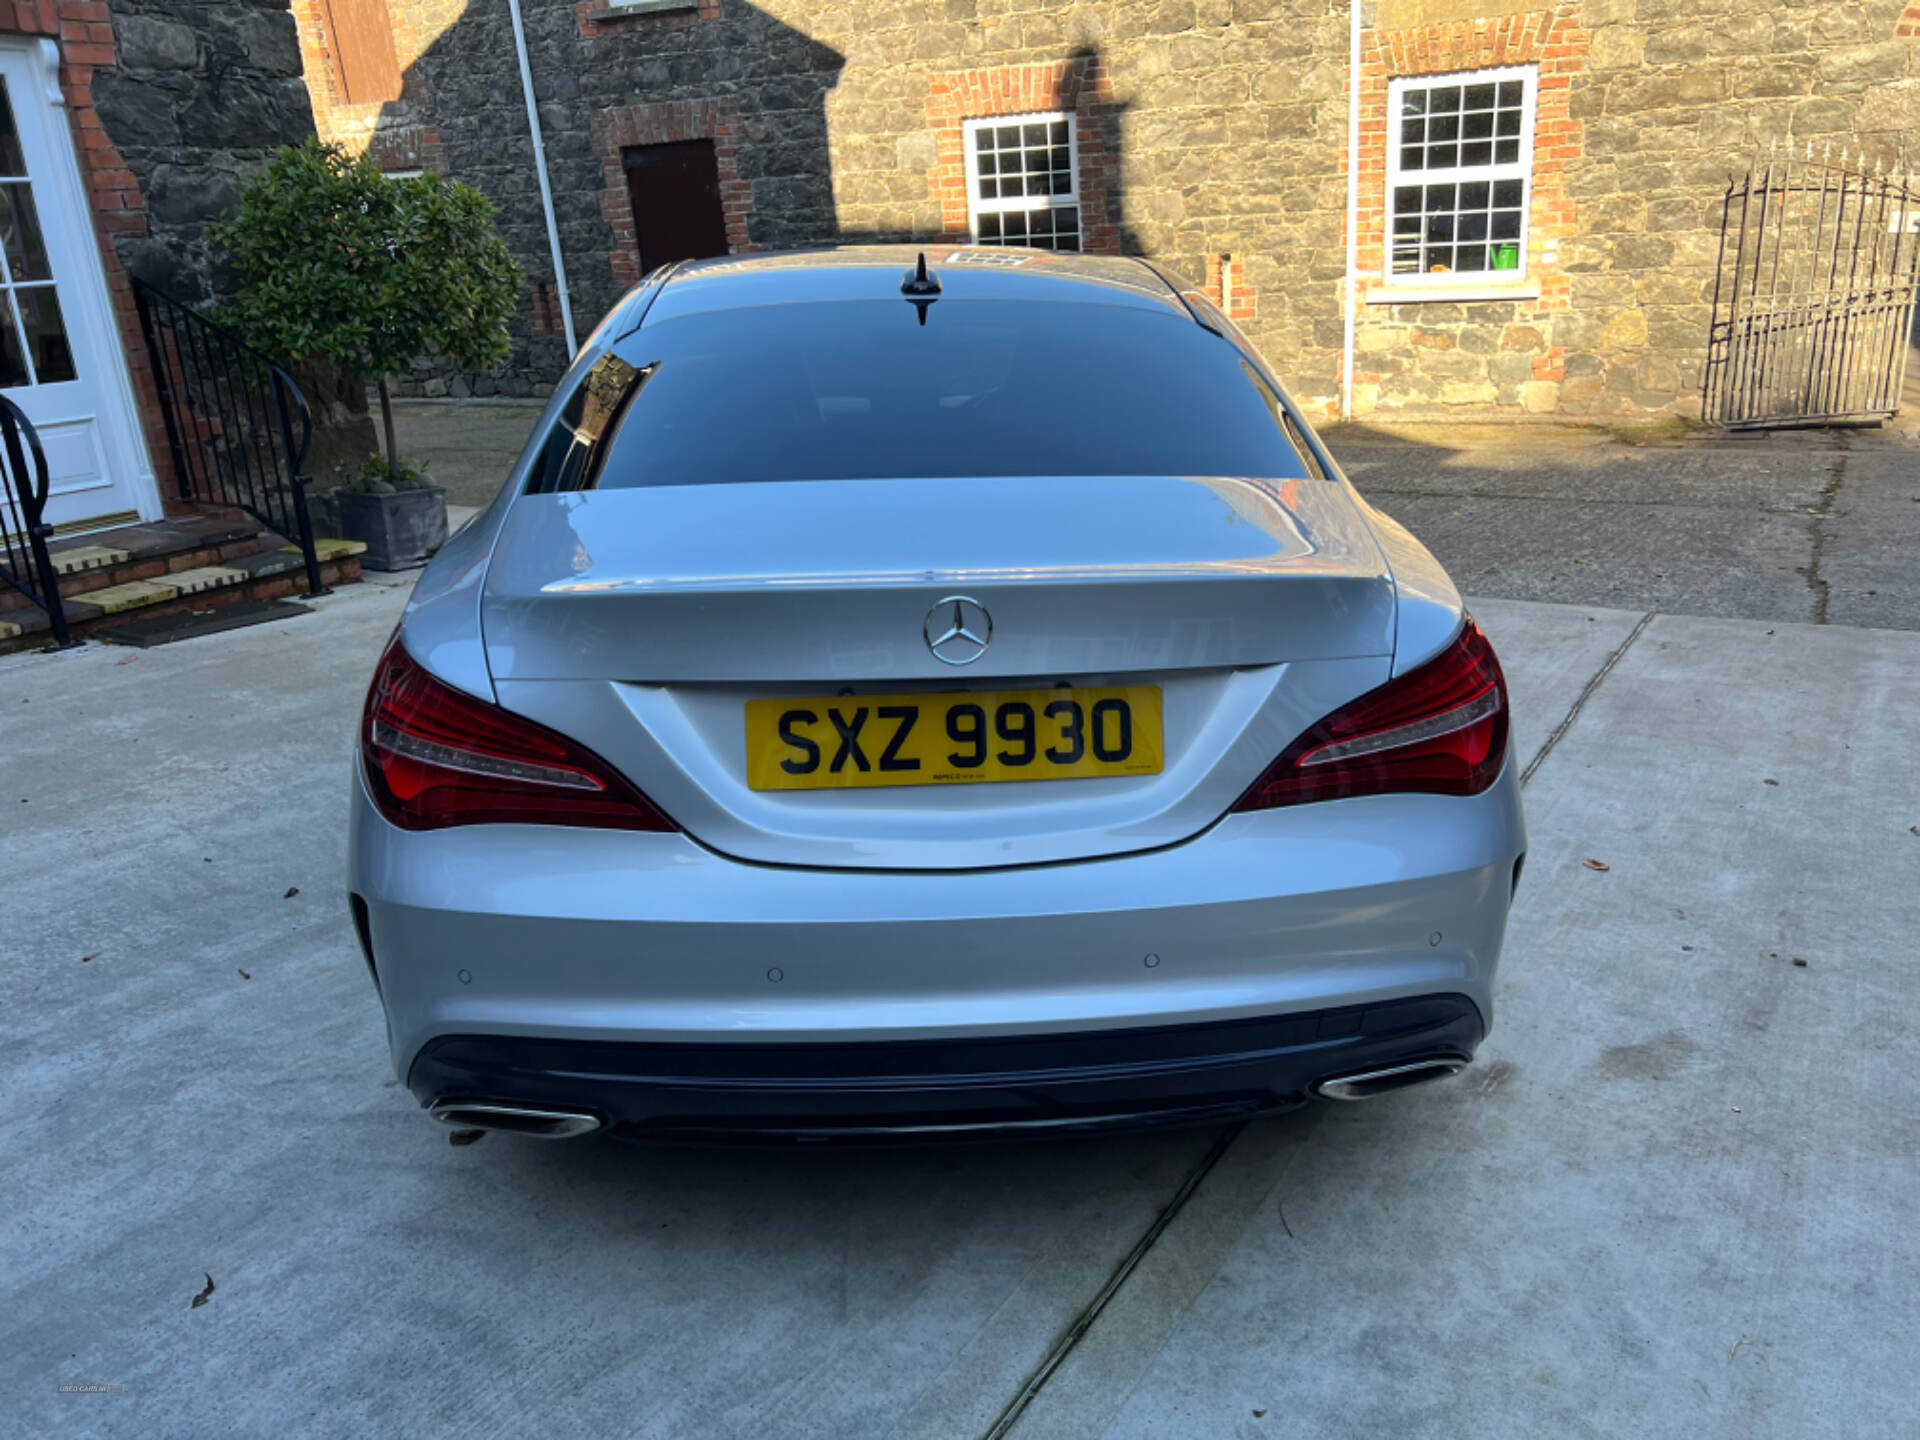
x,y
399,530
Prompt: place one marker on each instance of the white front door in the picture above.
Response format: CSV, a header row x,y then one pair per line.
x,y
60,352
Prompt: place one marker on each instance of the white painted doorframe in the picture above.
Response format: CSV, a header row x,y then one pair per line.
x,y
90,426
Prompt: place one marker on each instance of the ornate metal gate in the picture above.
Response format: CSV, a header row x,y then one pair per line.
x,y
1813,306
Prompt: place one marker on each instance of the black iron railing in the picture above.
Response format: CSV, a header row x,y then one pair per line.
x,y
24,561
1814,300
238,427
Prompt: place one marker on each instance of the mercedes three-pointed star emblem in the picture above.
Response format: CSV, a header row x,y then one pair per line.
x,y
958,630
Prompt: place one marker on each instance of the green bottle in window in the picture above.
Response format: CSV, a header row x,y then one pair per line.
x,y
1507,256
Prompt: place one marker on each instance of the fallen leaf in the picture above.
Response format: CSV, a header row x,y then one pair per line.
x,y
128,661
243,974
1259,1414
1686,947
293,890
95,956
1769,782
1798,961
203,1296
464,1137
1593,864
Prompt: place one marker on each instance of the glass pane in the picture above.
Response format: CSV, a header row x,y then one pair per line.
x,y
12,162
1008,136
20,230
1062,182
1407,225
1444,100
1506,193
1406,198
1440,197
1413,102
990,189
1036,134
1059,135
1443,157
1477,127
1512,92
1439,259
1412,132
989,227
1506,152
1479,97
46,336
1406,259
1470,257
1057,158
1509,122
1439,227
1479,152
988,164
1473,227
1443,127
13,370
1506,224
1474,196
1014,225
1412,158
983,139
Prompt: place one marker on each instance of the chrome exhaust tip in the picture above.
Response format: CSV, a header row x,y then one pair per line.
x,y
1369,1083
516,1119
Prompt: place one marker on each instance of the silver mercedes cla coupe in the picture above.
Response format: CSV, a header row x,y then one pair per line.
x,y
904,694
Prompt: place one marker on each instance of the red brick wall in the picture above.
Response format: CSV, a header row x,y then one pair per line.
x,y
662,124
1237,305
1910,22
83,29
1079,87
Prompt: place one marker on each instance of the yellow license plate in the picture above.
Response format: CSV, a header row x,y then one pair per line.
x,y
828,742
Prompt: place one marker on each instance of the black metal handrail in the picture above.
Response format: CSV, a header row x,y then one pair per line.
x,y
230,413
24,561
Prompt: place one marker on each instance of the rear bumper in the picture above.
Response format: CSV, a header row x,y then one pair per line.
x,y
1140,1077
489,940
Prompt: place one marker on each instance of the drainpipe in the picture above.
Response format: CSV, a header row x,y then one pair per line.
x,y
1350,288
540,172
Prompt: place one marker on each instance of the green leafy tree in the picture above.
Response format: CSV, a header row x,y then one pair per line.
x,y
340,262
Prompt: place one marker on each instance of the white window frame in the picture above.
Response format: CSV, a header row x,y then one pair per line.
x,y
1521,170
1026,204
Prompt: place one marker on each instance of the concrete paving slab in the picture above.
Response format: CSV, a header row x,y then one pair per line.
x,y
1675,1196
193,1082
1549,654
1583,1237
1869,552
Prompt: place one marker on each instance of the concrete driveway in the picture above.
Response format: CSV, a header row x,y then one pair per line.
x,y
1675,1197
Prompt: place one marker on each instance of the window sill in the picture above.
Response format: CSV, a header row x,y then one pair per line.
x,y
1456,293
641,7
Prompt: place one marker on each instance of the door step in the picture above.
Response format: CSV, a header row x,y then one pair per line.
x,y
147,631
184,563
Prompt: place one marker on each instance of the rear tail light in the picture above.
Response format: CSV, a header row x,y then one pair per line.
x,y
436,756
1440,729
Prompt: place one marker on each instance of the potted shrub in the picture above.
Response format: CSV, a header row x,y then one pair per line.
x,y
338,262
394,511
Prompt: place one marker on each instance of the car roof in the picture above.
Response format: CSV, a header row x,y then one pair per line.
x,y
875,272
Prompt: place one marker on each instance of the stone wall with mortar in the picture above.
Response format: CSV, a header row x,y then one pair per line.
x,y
199,94
1218,127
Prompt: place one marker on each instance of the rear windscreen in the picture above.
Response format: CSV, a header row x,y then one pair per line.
x,y
863,391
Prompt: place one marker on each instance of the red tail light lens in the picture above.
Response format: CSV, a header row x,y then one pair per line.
x,y
1439,730
436,756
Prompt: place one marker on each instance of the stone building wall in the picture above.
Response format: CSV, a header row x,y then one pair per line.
x,y
1207,129
198,95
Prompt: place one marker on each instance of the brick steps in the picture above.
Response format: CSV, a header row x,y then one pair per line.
x,y
189,562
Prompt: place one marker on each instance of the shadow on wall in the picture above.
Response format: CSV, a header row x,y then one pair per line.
x,y
690,132
700,130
